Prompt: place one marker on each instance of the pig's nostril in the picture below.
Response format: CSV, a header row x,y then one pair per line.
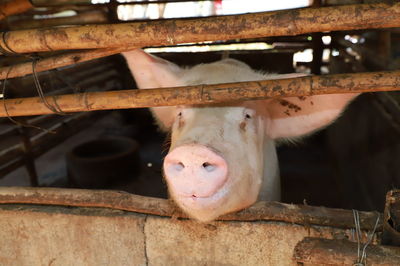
x,y
179,166
209,167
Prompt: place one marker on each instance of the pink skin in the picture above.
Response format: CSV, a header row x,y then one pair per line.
x,y
222,157
204,177
195,174
195,171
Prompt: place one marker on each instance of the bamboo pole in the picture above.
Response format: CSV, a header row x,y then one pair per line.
x,y
23,69
46,3
261,211
85,18
318,251
60,2
206,94
173,31
14,7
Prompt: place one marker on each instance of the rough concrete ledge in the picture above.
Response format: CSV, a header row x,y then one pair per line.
x,y
51,226
54,235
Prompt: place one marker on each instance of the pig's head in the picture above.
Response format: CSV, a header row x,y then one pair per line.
x,y
222,155
215,161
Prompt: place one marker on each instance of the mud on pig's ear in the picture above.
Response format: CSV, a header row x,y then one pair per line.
x,y
298,116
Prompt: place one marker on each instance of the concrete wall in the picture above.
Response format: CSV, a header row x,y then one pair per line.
x,y
50,235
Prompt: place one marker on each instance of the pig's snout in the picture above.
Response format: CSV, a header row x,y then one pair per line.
x,y
195,171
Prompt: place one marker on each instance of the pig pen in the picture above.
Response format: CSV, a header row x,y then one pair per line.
x,y
68,226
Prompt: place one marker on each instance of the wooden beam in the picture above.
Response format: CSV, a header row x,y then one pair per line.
x,y
14,7
70,58
206,94
391,223
261,211
174,31
84,18
44,64
46,3
318,251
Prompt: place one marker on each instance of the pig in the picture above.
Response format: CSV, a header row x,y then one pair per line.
x,y
222,157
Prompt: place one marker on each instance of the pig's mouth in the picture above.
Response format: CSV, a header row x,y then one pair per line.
x,y
194,201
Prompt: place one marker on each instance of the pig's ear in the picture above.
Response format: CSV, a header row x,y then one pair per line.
x,y
297,116
154,72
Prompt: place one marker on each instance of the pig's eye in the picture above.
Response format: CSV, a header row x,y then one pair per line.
x,y
180,119
248,114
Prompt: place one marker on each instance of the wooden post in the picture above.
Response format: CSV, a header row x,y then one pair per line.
x,y
391,222
28,159
317,47
206,94
174,31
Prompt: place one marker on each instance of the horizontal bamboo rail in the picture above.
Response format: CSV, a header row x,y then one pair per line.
x,y
46,3
206,94
84,18
14,7
16,151
261,211
316,251
23,69
60,2
169,32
